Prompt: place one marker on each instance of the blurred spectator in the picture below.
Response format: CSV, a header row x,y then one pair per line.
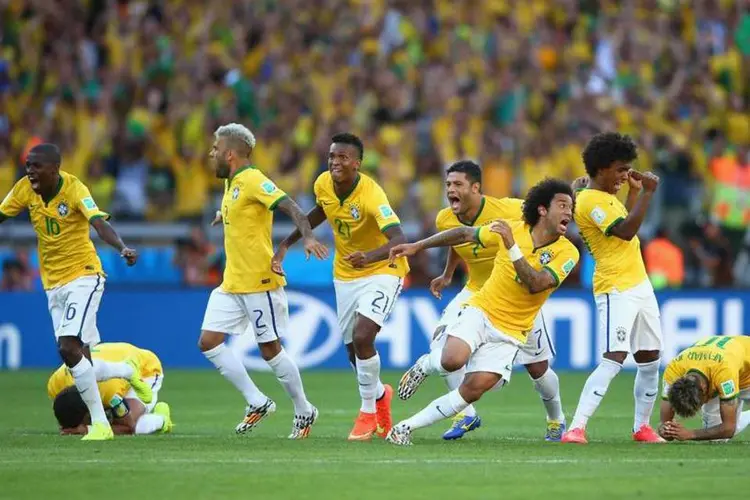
x,y
709,258
664,261
16,276
198,259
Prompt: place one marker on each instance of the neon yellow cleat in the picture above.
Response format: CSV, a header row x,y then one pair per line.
x,y
99,431
141,388
163,409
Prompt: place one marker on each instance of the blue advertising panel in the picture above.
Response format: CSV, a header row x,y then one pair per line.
x,y
168,322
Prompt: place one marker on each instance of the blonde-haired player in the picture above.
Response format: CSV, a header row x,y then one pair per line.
x,y
251,297
470,208
494,323
61,210
130,415
367,285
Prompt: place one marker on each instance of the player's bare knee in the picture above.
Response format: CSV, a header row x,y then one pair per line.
x,y
269,350
363,340
537,370
476,384
646,356
452,361
209,340
618,357
70,349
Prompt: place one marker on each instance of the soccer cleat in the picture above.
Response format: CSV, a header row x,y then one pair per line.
x,y
99,431
577,436
364,427
141,388
162,408
253,416
302,424
647,434
400,435
555,431
461,425
383,412
412,379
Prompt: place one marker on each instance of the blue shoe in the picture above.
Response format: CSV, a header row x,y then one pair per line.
x,y
555,430
461,425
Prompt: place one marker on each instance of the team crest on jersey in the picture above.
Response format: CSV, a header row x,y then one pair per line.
x,y
620,331
354,211
236,192
545,258
62,209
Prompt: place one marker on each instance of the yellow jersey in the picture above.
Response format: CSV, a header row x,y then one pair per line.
x,y
619,264
479,259
506,301
117,352
359,220
723,360
247,213
66,251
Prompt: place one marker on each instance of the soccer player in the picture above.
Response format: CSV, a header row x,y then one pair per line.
x,y
367,284
713,375
129,414
469,208
494,323
625,301
251,296
61,209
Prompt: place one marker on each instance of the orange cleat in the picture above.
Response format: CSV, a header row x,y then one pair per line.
x,y
577,436
646,434
383,412
364,427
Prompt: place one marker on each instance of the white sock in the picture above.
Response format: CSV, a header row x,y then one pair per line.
x,y
548,387
379,390
230,366
287,373
106,370
742,422
645,389
85,380
594,390
446,406
149,424
431,363
368,377
453,381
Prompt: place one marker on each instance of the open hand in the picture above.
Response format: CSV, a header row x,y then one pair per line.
x,y
402,250
438,284
277,259
316,248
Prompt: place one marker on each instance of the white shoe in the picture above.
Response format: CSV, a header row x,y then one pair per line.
x,y
303,423
412,379
254,415
399,435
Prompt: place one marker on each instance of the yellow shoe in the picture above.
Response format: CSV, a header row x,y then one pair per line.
x,y
99,431
141,388
163,409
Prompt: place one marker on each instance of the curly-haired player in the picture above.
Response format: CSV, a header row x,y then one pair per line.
x,y
493,324
625,301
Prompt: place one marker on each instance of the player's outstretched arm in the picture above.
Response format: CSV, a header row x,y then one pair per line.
x,y
447,238
315,217
108,234
628,228
395,237
725,430
304,228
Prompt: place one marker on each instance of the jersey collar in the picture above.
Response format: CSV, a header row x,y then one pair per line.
x,y
241,169
57,191
476,217
545,245
342,199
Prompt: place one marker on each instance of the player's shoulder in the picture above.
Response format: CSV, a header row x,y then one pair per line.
x,y
369,185
587,196
71,183
493,203
324,182
22,186
564,244
445,219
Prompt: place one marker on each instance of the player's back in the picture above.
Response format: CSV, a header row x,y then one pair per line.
x,y
717,358
359,221
619,263
480,259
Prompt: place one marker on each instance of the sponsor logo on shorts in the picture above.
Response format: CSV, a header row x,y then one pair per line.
x,y
621,333
598,215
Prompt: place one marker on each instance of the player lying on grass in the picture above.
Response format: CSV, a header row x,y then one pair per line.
x,y
470,208
713,375
127,413
62,210
494,323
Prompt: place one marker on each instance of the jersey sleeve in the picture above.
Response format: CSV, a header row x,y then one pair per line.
x,y
318,190
265,191
381,208
600,213
726,381
511,209
667,380
15,201
86,204
440,221
111,388
563,262
487,238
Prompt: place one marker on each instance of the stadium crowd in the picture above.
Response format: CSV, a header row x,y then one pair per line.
x,y
132,91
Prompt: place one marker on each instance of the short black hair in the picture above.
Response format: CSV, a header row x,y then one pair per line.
x,y
472,170
69,408
685,396
605,149
48,153
347,138
542,194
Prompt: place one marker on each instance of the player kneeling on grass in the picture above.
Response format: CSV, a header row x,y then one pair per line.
x,y
494,322
127,413
713,376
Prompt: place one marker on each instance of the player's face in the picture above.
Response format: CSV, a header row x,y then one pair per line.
x,y
614,177
41,174
343,162
559,214
463,195
219,159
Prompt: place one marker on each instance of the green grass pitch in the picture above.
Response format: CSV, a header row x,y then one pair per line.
x,y
506,458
